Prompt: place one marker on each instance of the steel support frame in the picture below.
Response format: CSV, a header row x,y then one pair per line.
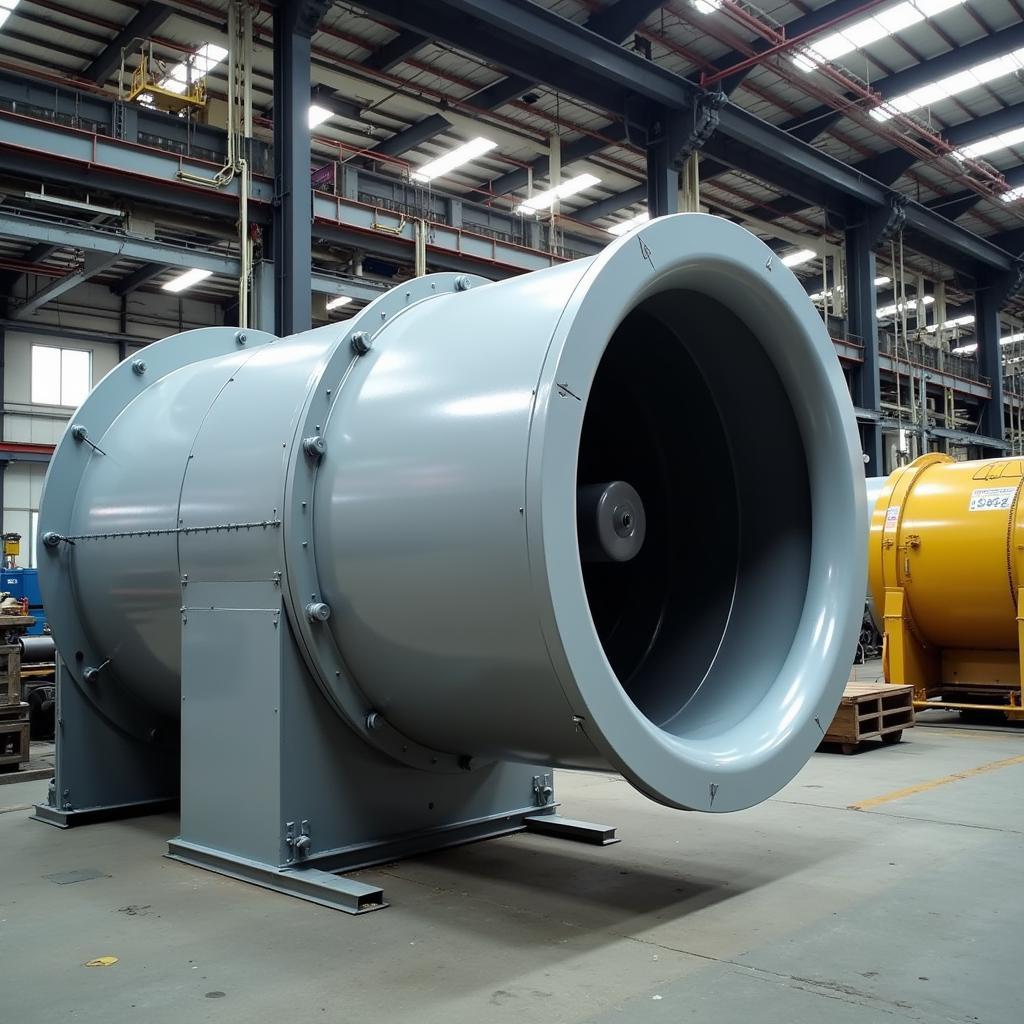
x,y
523,38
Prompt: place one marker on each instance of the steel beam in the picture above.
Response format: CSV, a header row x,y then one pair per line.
x,y
524,38
351,223
138,278
148,19
579,149
118,244
606,207
93,263
392,53
613,22
413,136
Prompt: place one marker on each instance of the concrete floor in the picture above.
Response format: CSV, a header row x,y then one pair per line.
x,y
800,910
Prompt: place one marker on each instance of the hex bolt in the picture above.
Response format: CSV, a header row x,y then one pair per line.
x,y
374,721
90,675
361,343
301,845
241,337
138,367
317,611
315,447
78,432
51,539
462,283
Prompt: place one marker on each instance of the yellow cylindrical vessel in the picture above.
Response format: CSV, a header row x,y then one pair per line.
x,y
945,564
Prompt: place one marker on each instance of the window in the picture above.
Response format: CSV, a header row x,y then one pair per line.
x,y
60,376
33,534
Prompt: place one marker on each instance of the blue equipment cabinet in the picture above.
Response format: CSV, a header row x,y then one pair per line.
x,y
25,583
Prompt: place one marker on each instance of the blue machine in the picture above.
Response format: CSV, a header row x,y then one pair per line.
x,y
25,583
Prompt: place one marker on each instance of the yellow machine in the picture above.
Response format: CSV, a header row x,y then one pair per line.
x,y
946,578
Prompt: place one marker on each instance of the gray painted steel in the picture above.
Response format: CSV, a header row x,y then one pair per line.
x,y
379,517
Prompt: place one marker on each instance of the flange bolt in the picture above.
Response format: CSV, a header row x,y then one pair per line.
x,y
138,367
462,283
51,539
315,447
317,611
361,343
79,433
241,337
374,721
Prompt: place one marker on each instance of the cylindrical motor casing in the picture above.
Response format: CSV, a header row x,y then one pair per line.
x,y
411,476
951,535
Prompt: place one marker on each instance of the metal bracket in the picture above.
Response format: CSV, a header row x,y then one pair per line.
x,y
543,792
298,844
888,220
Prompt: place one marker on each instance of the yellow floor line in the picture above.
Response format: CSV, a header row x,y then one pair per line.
x,y
923,787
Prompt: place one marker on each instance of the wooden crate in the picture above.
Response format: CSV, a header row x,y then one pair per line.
x,y
14,737
10,675
871,711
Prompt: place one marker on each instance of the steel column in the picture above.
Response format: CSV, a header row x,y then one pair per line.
x,y
989,299
863,323
294,25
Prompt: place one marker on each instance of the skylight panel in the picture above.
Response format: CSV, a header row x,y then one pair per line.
x,y
627,225
992,145
951,85
869,30
6,6
194,69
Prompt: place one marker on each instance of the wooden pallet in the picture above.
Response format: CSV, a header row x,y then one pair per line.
x,y
14,737
10,675
871,711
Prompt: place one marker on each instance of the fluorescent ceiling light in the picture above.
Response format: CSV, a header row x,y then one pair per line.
x,y
926,300
992,144
951,85
6,6
543,200
627,225
195,68
186,280
318,114
869,30
456,158
338,301
1013,194
798,258
707,6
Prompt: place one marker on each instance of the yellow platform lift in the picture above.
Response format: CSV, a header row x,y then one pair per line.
x,y
946,577
153,78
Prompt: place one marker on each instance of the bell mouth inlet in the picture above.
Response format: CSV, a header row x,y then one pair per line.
x,y
701,665
727,512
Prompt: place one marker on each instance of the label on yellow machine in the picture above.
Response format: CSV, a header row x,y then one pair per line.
x,y
985,498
